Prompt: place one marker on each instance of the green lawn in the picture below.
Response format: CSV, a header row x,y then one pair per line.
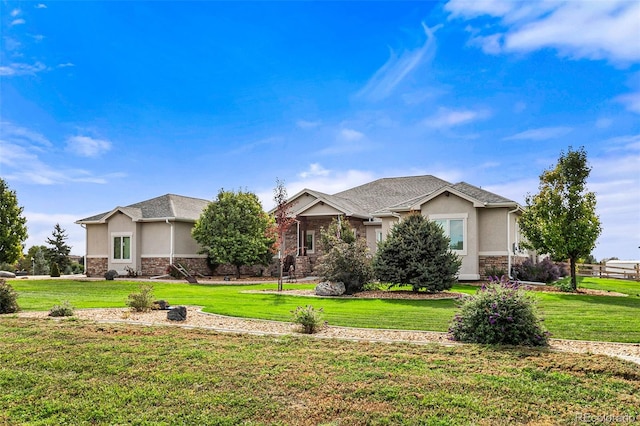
x,y
580,317
76,372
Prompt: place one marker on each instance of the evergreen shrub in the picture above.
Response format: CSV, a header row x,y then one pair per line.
x,y
55,270
417,253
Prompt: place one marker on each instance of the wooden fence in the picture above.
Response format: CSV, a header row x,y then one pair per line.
x,y
611,271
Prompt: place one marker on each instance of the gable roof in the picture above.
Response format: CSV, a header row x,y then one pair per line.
x,y
386,195
169,206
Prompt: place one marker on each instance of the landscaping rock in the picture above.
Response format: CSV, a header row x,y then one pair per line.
x,y
7,274
162,305
179,313
330,288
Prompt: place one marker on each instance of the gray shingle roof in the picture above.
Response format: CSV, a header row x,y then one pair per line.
x,y
165,206
480,194
383,193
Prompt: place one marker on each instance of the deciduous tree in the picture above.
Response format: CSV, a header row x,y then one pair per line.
x,y
561,219
284,221
234,229
13,225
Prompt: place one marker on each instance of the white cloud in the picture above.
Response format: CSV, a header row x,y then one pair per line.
x,y
603,123
86,146
350,135
540,134
315,169
23,136
630,100
40,6
575,29
397,68
446,118
21,69
18,21
304,124
15,12
66,65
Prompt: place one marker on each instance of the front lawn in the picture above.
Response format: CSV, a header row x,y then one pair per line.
x,y
579,317
74,372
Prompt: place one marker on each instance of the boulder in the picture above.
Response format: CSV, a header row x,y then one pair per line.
x,y
7,274
330,288
161,305
179,313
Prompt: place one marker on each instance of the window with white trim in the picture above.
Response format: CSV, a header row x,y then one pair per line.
x,y
455,228
309,241
378,236
121,247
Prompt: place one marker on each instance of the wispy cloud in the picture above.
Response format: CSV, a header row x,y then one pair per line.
x,y
16,69
40,6
397,68
23,136
66,65
631,101
575,29
305,124
314,170
447,118
248,147
18,21
540,134
350,135
86,146
15,12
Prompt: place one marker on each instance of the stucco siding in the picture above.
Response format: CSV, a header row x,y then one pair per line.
x,y
122,224
493,230
371,231
457,207
321,209
155,239
185,245
98,240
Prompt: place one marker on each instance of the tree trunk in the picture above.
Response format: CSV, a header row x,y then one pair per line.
x,y
238,271
574,281
280,260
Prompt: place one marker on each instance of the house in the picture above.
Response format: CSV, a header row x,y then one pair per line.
x,y
482,226
145,237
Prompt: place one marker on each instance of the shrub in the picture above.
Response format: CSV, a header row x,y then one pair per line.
x,y
77,268
346,259
309,318
417,253
143,300
545,271
499,314
63,310
55,270
4,266
110,274
494,271
8,298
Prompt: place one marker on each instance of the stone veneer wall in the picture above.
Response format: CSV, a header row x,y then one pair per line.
x,y
152,266
96,266
497,262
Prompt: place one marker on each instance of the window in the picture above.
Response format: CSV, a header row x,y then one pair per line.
x,y
122,247
378,236
455,229
309,241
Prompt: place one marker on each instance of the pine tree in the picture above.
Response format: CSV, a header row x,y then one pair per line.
x,y
59,252
417,253
40,264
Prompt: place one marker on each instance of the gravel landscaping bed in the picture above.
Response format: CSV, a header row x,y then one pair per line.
x,y
198,319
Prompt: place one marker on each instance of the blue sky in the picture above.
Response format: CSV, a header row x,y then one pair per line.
x,y
111,103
